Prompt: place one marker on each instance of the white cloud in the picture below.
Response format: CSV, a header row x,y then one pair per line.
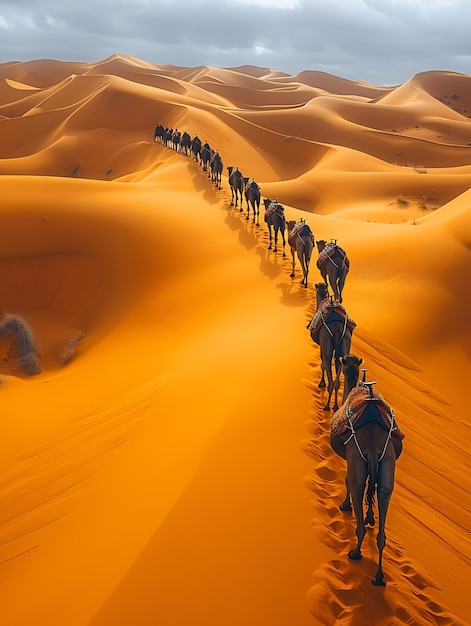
x,y
259,50
5,24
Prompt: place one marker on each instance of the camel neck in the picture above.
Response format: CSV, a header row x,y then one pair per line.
x,y
351,381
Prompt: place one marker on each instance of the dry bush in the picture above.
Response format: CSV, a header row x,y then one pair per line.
x,y
402,201
70,349
16,329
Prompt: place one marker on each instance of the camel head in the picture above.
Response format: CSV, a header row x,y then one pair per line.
x,y
321,244
351,371
350,360
322,292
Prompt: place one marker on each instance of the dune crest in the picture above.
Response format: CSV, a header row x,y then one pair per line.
x,y
167,455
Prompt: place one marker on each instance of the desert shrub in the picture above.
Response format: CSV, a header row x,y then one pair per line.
x,y
402,201
70,349
16,329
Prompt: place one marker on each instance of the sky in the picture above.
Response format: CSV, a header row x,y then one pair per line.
x,y
383,42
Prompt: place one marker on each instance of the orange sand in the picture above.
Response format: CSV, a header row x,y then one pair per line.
x,y
170,465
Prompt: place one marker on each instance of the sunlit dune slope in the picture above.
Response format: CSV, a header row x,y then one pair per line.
x,y
168,460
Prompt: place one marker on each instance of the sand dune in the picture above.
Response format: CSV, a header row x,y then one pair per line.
x,y
170,463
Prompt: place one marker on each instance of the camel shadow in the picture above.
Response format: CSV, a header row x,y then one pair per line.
x,y
202,183
293,294
247,236
269,263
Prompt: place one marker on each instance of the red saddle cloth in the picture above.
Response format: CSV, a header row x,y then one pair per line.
x,y
354,407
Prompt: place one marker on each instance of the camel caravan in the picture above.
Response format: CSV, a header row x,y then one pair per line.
x,y
363,428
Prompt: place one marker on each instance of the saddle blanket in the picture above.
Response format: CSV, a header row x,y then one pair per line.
x,y
272,207
300,229
327,313
327,252
355,406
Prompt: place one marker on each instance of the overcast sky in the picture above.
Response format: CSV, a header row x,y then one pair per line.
x,y
384,42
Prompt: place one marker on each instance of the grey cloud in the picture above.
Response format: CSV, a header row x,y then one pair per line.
x,y
379,41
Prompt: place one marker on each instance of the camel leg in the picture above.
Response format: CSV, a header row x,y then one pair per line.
x,y
341,284
338,366
357,472
322,383
270,235
346,505
284,241
293,264
330,380
303,265
385,489
329,391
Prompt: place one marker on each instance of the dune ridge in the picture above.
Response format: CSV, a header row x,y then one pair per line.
x,y
170,462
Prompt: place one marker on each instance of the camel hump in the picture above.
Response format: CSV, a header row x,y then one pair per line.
x,y
274,206
329,250
301,229
356,404
327,313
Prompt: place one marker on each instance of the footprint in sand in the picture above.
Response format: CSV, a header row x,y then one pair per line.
x,y
414,577
310,448
325,472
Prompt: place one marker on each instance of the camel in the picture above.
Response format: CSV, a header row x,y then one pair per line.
x,y
332,330
205,156
216,169
168,134
333,265
252,197
185,143
276,222
196,147
301,241
159,133
236,183
371,444
176,136
351,366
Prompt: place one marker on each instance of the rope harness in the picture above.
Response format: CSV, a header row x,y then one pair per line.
x,y
334,263
392,428
324,322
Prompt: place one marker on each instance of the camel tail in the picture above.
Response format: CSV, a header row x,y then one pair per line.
x,y
372,477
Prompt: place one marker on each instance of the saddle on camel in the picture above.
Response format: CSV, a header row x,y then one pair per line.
x,y
273,207
353,414
328,251
327,312
300,229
